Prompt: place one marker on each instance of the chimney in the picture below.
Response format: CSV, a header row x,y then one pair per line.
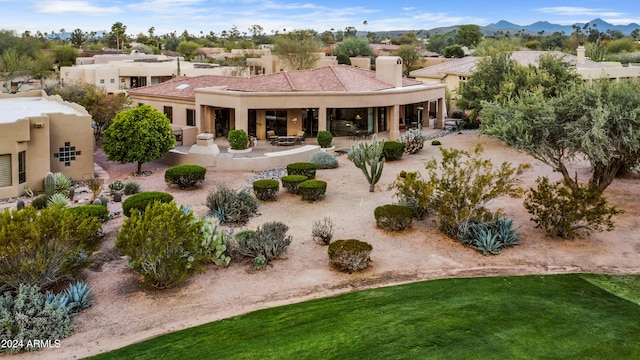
x,y
389,70
581,57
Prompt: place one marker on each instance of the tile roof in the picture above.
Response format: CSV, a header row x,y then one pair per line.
x,y
467,65
330,78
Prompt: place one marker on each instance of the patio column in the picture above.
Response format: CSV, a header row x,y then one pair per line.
x,y
394,131
440,116
242,119
322,119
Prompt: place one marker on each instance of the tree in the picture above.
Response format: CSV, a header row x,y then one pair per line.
x,y
102,106
410,57
79,37
350,31
598,121
141,134
118,32
453,51
437,42
188,48
297,50
353,46
15,64
469,35
65,55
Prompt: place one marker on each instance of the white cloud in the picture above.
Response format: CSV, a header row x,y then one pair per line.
x,y
577,11
73,8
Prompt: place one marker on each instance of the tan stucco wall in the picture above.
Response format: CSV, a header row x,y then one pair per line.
x,y
41,137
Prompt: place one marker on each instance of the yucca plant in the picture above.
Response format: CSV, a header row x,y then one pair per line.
x,y
58,200
62,184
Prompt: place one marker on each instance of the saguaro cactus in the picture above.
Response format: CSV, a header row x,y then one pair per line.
x,y
49,184
368,158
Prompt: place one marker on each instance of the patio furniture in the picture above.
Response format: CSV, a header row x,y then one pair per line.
x,y
272,138
300,136
286,140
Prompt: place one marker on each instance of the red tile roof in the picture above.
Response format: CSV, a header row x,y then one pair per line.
x,y
331,78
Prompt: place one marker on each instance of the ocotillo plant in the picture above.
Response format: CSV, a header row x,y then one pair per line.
x,y
368,158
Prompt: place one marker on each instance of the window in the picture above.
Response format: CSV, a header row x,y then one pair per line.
x,y
5,170
168,111
22,167
67,154
191,117
101,81
113,81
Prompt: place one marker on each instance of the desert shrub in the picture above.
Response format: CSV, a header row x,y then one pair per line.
x,y
302,168
291,182
131,187
436,143
163,244
368,158
95,185
266,243
44,248
75,298
98,211
393,217
392,150
116,186
457,114
30,315
214,242
324,139
39,202
413,192
140,201
322,230
567,210
231,206
413,141
266,189
324,160
312,190
490,237
185,176
58,200
349,255
462,186
471,124
238,139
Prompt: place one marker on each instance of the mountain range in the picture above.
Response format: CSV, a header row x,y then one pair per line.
x,y
548,28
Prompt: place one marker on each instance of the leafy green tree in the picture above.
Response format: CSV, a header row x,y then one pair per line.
x,y
297,50
453,51
353,46
599,122
410,56
188,48
65,55
469,35
327,38
102,106
437,42
140,135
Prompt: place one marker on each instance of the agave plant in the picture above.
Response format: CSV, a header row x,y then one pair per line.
x,y
58,200
487,241
79,295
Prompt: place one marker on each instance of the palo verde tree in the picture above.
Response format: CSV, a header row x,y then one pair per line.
x,y
139,135
297,50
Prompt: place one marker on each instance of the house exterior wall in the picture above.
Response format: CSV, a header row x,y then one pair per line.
x,y
40,137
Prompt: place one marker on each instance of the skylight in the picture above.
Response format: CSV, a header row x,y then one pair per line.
x,y
182,86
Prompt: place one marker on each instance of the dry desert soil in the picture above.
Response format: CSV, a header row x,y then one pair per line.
x,y
124,311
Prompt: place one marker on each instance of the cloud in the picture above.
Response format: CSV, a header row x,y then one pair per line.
x,y
73,8
573,11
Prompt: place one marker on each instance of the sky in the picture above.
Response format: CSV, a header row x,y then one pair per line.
x,y
284,15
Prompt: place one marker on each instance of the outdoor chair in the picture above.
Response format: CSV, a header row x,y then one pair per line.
x,y
300,136
272,138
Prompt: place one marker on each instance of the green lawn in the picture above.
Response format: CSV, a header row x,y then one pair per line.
x,y
527,317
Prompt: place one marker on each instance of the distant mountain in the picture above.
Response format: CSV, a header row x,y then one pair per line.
x,y
549,28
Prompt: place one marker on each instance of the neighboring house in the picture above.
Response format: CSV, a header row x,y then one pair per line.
x,y
456,71
38,134
342,99
119,72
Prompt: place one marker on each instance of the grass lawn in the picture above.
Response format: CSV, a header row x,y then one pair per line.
x,y
525,317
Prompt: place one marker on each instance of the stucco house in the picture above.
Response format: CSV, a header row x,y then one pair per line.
x,y
456,71
38,134
342,99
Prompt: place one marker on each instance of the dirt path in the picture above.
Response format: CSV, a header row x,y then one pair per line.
x,y
125,312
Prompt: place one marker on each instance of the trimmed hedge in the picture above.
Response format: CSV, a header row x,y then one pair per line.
x,y
349,255
185,176
312,190
392,150
140,201
98,211
266,189
393,217
436,143
238,139
291,182
302,168
324,139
